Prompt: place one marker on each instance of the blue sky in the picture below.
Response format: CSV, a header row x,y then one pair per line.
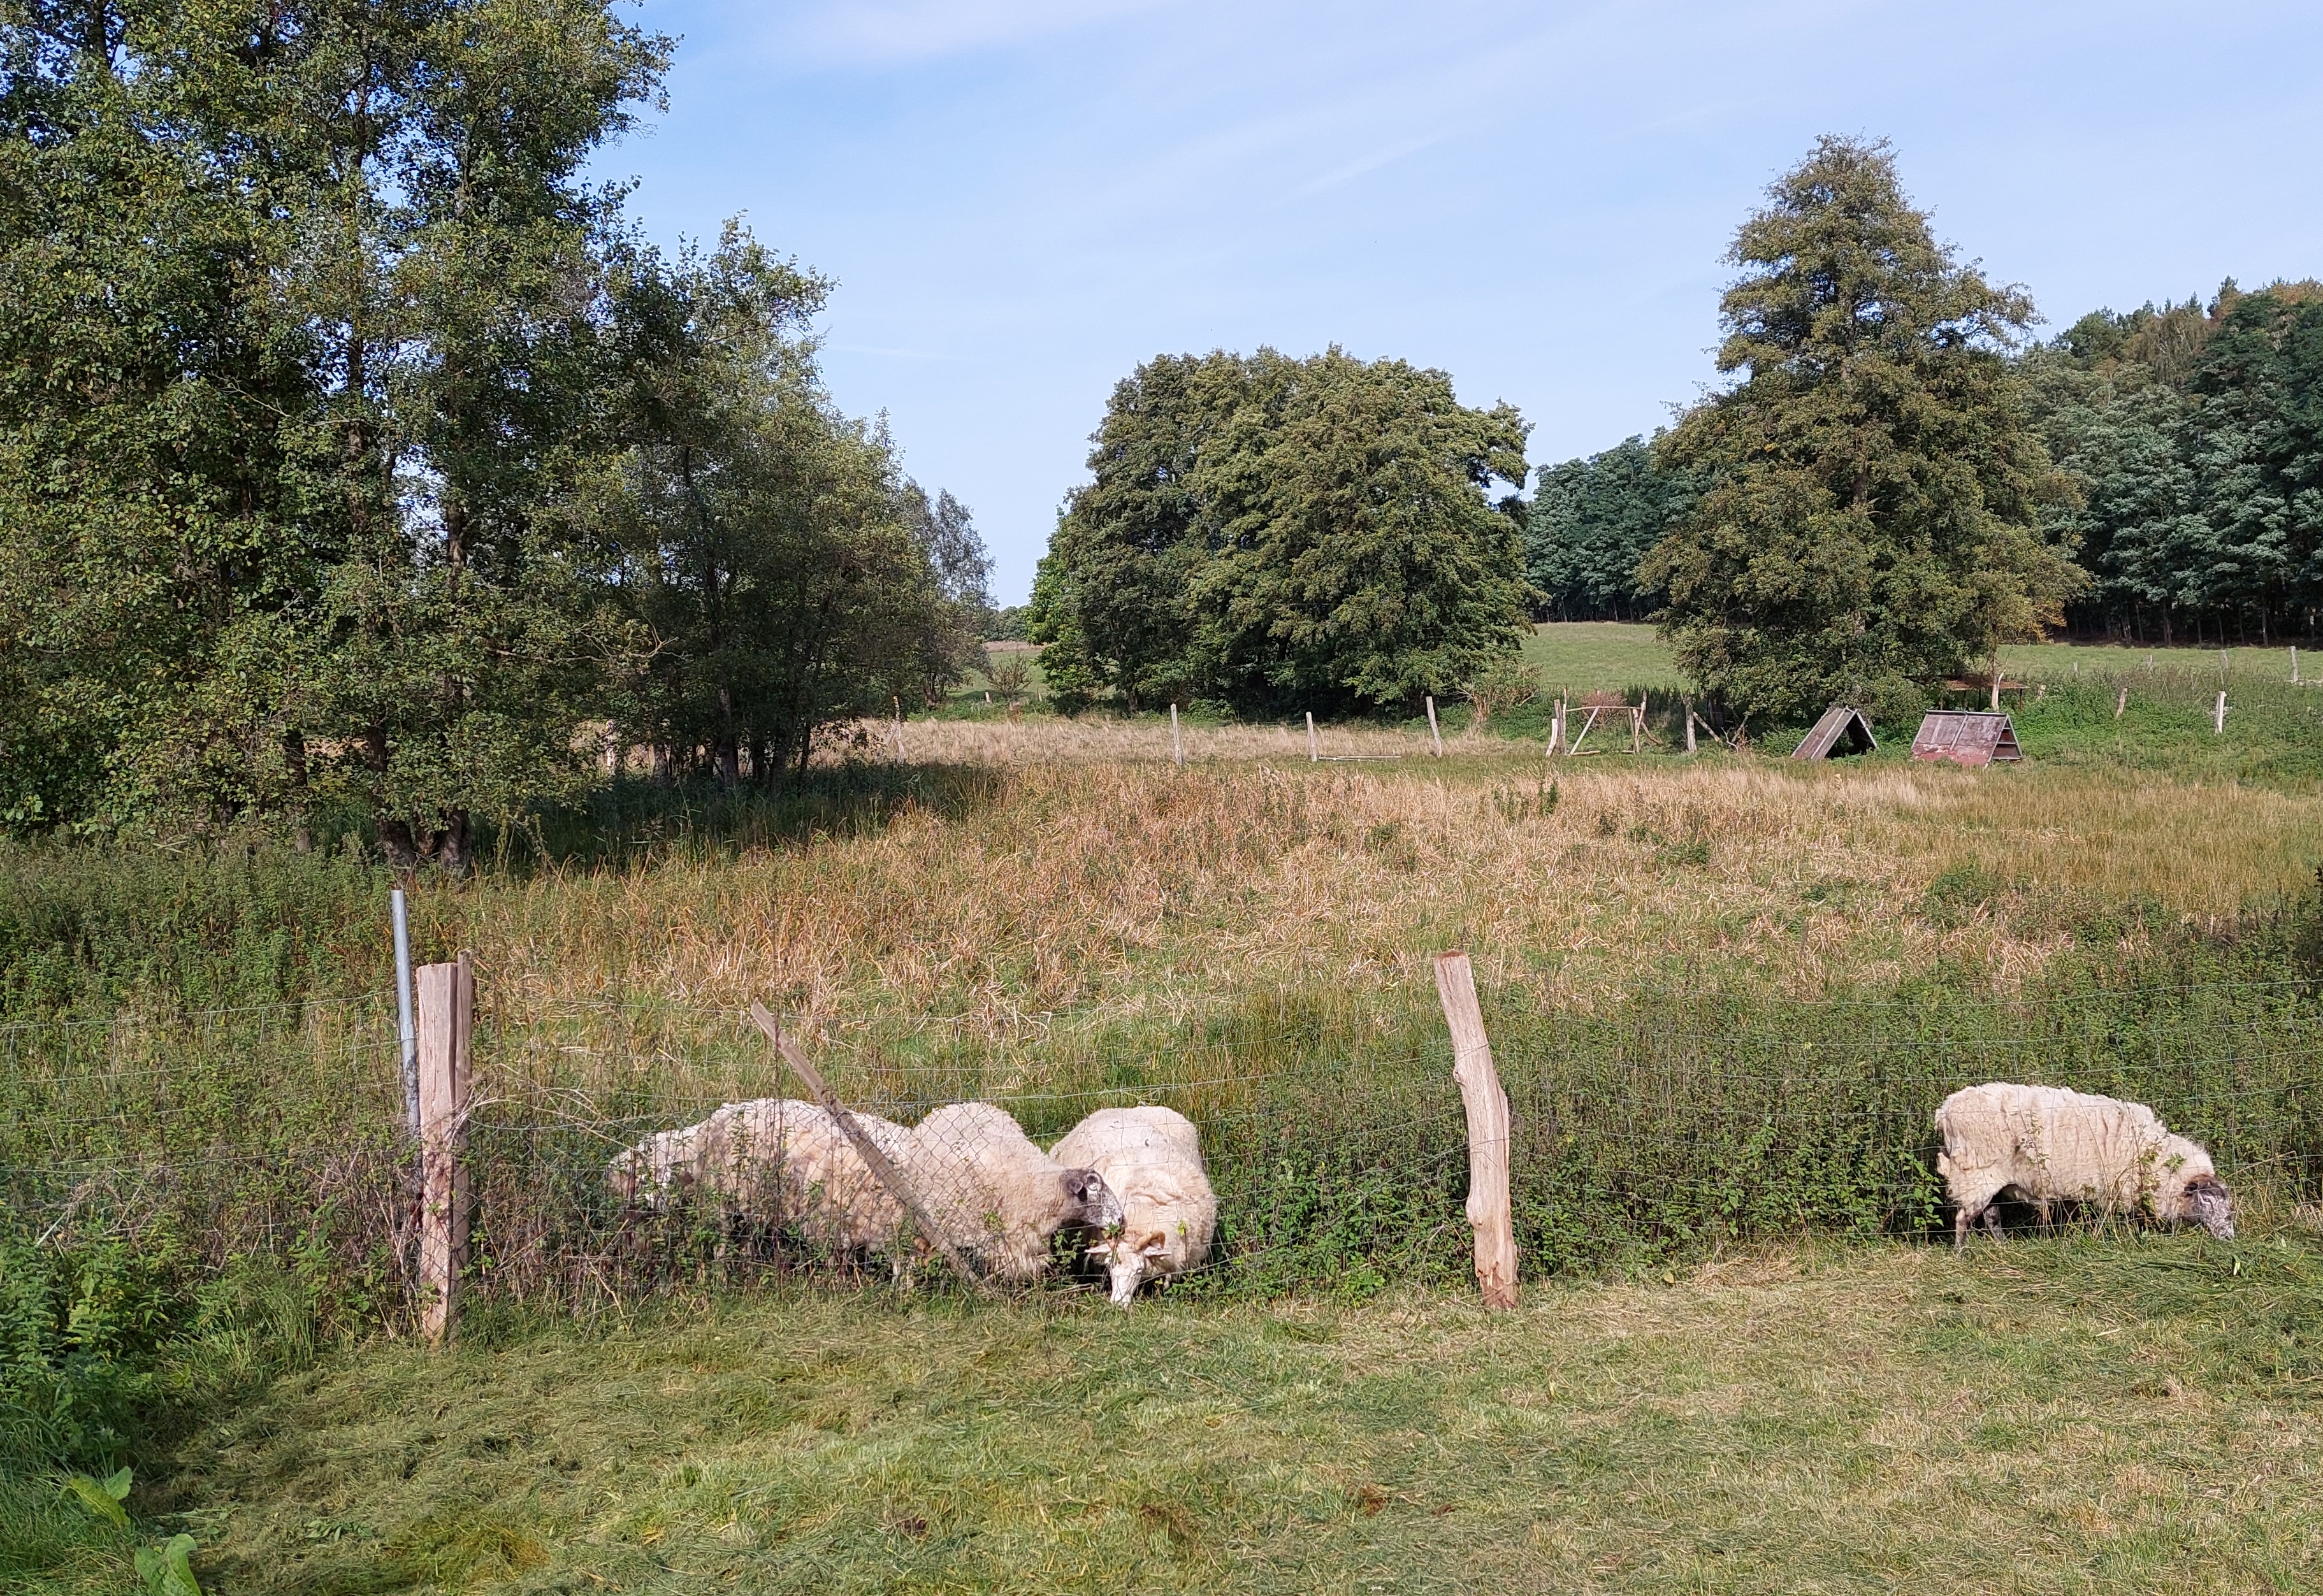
x,y
1022,199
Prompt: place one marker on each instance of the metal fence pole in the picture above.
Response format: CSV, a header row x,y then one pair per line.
x,y
403,1005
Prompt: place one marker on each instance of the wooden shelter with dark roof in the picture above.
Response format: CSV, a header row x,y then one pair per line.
x,y
1966,736
1841,730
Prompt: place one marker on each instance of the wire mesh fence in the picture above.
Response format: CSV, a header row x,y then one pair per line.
x,y
632,1143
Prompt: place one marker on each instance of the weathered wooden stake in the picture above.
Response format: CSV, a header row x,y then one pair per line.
x,y
1436,736
1314,749
2218,716
1689,725
1488,1130
899,730
448,1002
886,1173
2294,667
1177,749
2120,702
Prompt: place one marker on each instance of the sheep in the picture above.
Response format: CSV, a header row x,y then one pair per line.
x,y
775,1156
994,1194
2051,1144
1152,1159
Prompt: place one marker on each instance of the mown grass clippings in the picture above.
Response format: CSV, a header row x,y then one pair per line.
x,y
1800,1419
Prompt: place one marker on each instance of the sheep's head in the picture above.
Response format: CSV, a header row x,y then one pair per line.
x,y
1089,1203
2209,1204
1126,1259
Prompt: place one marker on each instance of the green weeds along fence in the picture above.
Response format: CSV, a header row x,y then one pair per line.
x,y
1335,1137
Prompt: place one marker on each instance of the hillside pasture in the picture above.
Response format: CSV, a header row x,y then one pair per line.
x,y
1724,993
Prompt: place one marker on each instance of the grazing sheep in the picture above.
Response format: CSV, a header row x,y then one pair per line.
x,y
2054,1145
1153,1160
994,1194
770,1158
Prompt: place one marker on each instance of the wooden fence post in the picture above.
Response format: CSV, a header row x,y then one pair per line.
x,y
447,1006
1177,749
1488,1130
2218,716
2120,702
876,1161
1689,724
1314,750
1434,735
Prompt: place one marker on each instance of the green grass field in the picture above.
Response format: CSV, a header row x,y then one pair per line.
x,y
2071,1416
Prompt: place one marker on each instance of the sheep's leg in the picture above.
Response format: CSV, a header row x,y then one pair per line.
x,y
1992,1220
2046,1227
1962,1220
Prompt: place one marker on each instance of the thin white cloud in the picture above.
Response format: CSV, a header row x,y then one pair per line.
x,y
1372,162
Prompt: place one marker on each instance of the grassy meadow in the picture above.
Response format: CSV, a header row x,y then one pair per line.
x,y
2061,1416
1725,992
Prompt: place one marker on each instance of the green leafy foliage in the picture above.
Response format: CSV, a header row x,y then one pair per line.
x,y
103,1497
2195,441
168,1569
1592,524
341,415
1871,522
1265,532
788,572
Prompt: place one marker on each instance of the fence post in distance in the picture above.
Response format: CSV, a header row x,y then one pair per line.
x,y
1314,750
2120,702
1177,749
2218,716
447,1002
1688,706
1488,1130
1434,735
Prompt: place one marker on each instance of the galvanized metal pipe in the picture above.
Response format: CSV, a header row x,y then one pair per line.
x,y
406,1016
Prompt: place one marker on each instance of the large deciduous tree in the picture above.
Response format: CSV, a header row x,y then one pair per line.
x,y
788,572
1268,533
1872,519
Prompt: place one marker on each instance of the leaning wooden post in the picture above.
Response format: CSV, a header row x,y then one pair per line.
x,y
1177,749
886,1173
1488,1130
1314,750
1434,735
446,1025
2218,716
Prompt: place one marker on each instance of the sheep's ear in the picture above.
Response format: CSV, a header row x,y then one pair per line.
x,y
1154,1245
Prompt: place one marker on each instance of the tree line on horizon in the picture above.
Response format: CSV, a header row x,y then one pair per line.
x,y
362,463
1896,481
2192,438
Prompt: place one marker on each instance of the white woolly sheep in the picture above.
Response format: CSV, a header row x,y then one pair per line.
x,y
770,1158
2053,1145
994,1194
1152,1159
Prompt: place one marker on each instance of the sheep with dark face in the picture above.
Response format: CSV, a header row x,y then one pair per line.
x,y
995,1195
2051,1145
1152,1156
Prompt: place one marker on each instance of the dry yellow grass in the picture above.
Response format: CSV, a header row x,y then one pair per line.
x,y
1118,890
1045,739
